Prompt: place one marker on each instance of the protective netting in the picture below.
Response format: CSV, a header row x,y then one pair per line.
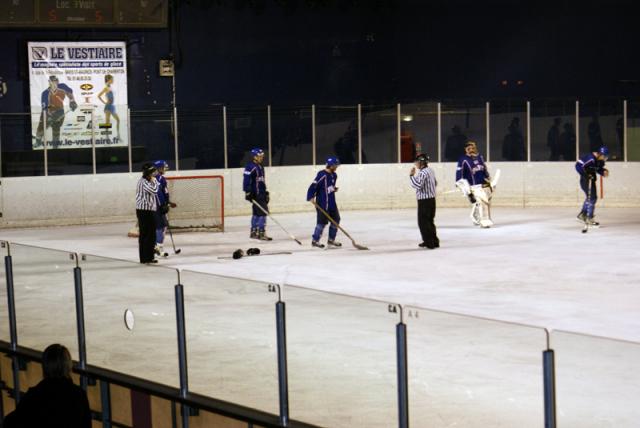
x,y
200,204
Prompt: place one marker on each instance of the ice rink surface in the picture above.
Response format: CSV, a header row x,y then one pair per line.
x,y
534,266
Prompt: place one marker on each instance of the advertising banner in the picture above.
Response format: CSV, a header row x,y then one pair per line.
x,y
78,93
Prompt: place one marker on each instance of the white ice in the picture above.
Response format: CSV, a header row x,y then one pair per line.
x,y
534,267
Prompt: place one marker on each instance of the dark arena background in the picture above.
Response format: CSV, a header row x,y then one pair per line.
x,y
523,315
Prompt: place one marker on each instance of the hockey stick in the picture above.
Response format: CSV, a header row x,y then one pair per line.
x,y
175,251
275,253
585,228
275,221
326,214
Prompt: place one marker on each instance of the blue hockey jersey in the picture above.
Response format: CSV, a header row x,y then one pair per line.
x,y
323,189
163,193
473,169
589,162
253,180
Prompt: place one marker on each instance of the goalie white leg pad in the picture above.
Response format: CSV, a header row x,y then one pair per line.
x,y
475,215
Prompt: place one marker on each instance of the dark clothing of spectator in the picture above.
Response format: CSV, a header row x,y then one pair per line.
x,y
553,141
455,145
568,143
513,143
595,135
53,403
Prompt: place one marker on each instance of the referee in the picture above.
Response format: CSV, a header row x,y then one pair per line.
x,y
146,206
424,181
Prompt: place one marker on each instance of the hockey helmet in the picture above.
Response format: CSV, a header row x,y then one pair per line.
x,y
604,151
422,158
333,161
257,152
148,169
161,164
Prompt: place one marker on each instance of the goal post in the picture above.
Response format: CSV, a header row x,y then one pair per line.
x,y
199,203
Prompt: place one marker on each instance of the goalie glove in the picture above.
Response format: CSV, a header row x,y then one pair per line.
x,y
73,105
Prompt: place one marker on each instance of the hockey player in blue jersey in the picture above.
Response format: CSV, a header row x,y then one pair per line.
x,y
163,205
588,166
323,190
52,103
255,189
472,178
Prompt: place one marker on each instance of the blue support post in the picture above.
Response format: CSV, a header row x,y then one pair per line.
x,y
182,352
403,383
82,345
549,373
283,382
13,330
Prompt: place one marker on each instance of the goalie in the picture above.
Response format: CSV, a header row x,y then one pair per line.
x,y
472,178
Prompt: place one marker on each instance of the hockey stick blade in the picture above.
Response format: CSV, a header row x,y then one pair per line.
x,y
326,214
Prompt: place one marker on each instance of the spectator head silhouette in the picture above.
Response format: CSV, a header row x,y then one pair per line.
x,y
557,121
456,130
56,362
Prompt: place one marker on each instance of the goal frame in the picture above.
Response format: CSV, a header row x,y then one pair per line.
x,y
191,177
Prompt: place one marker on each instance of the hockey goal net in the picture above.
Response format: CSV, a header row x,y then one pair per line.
x,y
200,204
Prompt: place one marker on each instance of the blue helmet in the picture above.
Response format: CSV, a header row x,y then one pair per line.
x,y
160,164
333,161
257,152
604,151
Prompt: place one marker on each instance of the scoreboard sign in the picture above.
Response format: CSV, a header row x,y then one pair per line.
x,y
84,13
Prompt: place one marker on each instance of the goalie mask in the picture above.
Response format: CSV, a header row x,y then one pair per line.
x,y
471,149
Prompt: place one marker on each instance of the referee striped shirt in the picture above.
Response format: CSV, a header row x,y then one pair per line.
x,y
146,194
424,181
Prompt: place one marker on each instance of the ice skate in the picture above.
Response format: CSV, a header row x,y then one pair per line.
x,y
486,223
317,244
262,235
159,251
333,243
582,217
592,223
254,234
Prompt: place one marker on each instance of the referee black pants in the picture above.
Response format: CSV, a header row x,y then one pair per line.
x,y
147,238
426,214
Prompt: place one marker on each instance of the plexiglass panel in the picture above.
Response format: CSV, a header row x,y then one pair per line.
x,y
44,297
200,138
337,134
553,130
474,373
291,136
633,130
419,131
231,339
246,128
4,317
461,122
342,360
597,381
379,134
19,158
152,137
508,122
130,318
601,123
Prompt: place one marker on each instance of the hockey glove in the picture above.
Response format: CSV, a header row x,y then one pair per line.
x,y
249,196
472,198
266,197
73,105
